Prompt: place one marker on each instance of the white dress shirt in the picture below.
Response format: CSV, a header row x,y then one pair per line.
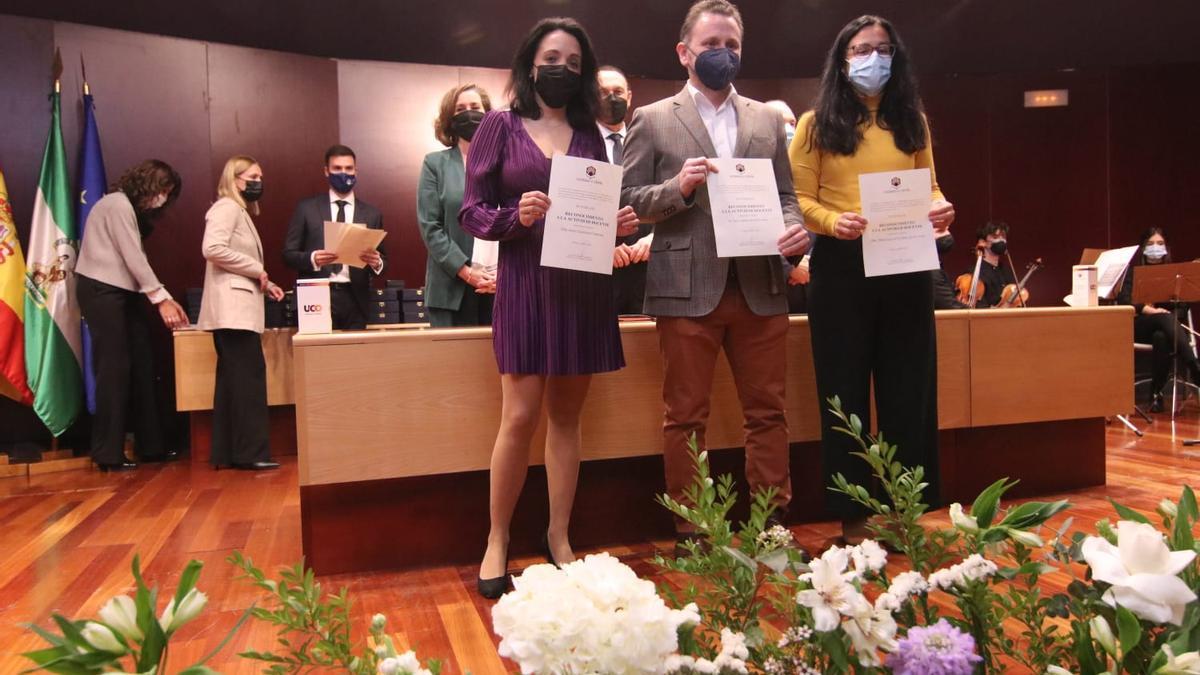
x,y
721,122
342,276
605,132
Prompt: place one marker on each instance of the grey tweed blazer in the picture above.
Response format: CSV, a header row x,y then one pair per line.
x,y
685,276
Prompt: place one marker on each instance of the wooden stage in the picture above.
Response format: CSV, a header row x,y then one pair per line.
x,y
395,427
68,538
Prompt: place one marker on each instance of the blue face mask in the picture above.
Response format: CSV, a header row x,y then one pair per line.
x,y
1155,252
869,74
716,68
789,132
342,183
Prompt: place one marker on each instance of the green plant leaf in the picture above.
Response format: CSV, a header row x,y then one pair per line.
x,y
983,509
1129,630
187,580
1127,513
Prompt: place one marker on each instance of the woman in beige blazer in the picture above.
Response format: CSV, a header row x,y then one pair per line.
x,y
232,308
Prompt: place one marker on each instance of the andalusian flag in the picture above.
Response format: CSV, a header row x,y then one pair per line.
x,y
52,343
12,306
92,185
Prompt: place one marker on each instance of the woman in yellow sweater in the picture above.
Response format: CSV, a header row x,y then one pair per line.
x,y
867,118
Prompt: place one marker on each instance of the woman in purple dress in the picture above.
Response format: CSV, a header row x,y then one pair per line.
x,y
552,328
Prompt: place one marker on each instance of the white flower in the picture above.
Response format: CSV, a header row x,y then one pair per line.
x,y
733,653
389,666
908,583
101,637
592,615
974,568
404,664
871,629
961,520
1104,635
1143,572
120,614
378,622
831,595
1168,508
868,556
1057,670
1026,538
1187,663
173,617
777,536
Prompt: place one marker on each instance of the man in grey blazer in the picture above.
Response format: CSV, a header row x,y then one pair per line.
x,y
304,248
704,303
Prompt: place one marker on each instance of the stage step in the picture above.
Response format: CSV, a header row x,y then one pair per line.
x,y
56,465
13,470
48,455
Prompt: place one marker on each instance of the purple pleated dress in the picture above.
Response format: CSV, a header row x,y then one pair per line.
x,y
546,321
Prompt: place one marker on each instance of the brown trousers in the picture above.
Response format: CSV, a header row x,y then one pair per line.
x,y
756,347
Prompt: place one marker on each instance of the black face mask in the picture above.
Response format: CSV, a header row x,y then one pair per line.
x,y
999,246
944,244
613,109
253,191
464,123
556,85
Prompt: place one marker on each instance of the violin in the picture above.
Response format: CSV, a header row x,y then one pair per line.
x,y
970,286
1010,295
963,284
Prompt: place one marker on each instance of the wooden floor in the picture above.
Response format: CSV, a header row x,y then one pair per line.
x,y
66,541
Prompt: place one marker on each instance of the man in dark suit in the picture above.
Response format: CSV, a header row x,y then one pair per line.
x,y
304,249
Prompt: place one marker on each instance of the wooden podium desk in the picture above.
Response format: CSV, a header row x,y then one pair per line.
x,y
395,429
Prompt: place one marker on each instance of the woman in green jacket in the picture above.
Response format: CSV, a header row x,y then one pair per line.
x,y
457,292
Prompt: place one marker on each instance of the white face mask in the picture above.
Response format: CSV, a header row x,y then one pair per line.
x,y
1155,251
158,201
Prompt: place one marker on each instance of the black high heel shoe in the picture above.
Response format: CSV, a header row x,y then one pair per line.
x,y
496,586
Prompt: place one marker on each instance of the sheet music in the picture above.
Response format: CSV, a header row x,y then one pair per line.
x,y
1111,266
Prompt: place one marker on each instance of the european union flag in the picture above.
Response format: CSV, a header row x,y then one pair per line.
x,y
92,186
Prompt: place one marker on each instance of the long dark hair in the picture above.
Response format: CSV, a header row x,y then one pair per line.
x,y
1140,257
840,113
581,109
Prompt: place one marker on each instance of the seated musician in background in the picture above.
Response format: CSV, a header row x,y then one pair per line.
x,y
994,272
945,295
1156,324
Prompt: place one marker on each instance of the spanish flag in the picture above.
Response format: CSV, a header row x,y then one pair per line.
x,y
12,307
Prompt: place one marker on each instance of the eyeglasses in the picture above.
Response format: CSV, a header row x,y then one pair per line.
x,y
864,49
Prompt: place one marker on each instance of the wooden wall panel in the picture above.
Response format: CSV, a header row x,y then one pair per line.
x,y
1050,173
281,109
1154,165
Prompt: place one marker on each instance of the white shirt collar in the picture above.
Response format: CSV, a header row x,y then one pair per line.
x,y
333,197
700,99
605,132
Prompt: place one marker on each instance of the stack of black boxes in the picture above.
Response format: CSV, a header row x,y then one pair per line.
x,y
193,304
397,304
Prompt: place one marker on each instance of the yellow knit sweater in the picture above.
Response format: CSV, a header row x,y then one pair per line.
x,y
827,184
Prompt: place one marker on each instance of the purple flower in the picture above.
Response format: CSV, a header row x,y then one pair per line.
x,y
940,649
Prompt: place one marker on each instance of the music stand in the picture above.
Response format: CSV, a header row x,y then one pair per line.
x,y
1175,283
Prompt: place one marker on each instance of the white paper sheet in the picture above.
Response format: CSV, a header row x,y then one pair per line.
x,y
581,225
1110,270
899,237
746,213
349,240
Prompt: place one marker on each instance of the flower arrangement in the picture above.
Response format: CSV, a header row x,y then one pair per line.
x,y
590,616
128,632
1130,607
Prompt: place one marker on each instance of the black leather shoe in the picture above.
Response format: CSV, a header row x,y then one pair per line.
x,y
120,466
168,456
257,466
1156,403
496,586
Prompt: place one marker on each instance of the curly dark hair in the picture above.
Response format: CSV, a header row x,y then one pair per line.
x,y
581,109
442,125
839,112
144,181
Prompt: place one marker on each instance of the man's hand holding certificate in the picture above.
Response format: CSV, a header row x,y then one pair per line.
x,y
581,223
899,237
747,217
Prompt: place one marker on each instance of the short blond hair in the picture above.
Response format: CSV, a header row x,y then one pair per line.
x,y
227,185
